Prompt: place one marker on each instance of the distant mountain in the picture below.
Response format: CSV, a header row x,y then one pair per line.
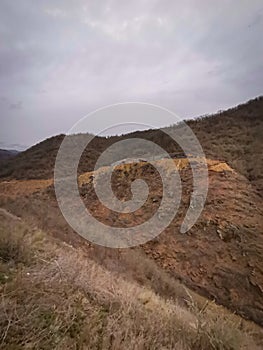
x,y
234,136
7,153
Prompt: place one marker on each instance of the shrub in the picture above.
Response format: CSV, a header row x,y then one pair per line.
x,y
13,247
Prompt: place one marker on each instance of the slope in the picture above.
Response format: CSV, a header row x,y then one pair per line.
x,y
221,255
234,136
54,296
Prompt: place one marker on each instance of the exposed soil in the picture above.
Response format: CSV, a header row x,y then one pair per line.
x,y
220,257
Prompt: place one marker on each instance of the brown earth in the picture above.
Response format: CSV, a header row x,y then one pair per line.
x,y
220,257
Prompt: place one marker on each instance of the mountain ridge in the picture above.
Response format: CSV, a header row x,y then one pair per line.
x,y
234,136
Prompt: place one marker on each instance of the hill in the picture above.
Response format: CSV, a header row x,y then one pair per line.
x,y
234,136
54,296
201,290
6,154
220,257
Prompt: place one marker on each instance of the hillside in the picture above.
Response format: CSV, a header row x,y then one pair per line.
x,y
6,154
234,136
54,296
220,257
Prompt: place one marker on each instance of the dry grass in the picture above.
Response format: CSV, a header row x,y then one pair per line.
x,y
13,247
61,299
73,303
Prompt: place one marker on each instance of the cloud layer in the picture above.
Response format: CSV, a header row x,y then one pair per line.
x,y
59,60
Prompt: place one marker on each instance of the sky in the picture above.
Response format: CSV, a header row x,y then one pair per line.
x,y
60,60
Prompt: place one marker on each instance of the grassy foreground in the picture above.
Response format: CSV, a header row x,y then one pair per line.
x,y
56,297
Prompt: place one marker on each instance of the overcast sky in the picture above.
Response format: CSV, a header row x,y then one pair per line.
x,y
59,60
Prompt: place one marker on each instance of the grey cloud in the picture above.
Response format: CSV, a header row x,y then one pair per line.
x,y
16,105
65,58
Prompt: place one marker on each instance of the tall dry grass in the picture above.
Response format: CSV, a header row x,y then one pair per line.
x,y
60,299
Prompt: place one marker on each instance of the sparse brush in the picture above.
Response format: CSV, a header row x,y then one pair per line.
x,y
67,301
73,303
13,247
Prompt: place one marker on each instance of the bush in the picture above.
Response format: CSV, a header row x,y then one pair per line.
x,y
13,247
